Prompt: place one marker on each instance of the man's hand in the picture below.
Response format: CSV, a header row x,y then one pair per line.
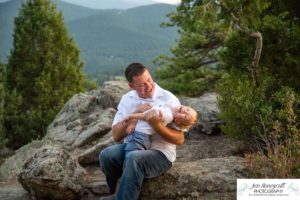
x,y
170,134
131,127
155,120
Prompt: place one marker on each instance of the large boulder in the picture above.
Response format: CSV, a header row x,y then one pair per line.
x,y
51,173
111,93
208,112
80,121
13,165
91,155
201,179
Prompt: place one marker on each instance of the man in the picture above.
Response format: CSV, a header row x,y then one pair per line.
x,y
138,165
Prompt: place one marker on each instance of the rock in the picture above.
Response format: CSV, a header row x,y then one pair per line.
x,y
52,174
91,155
13,192
111,93
100,124
13,165
68,123
199,146
86,116
208,111
192,180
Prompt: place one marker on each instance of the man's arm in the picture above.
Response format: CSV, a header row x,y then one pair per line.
x,y
119,131
171,135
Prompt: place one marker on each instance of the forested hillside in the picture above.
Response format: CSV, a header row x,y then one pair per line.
x,y
112,39
108,39
10,9
111,4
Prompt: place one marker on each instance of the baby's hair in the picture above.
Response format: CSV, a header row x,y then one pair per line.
x,y
193,122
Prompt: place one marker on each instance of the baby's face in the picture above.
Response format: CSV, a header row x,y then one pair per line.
x,y
183,115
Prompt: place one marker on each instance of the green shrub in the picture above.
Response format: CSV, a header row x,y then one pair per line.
x,y
266,119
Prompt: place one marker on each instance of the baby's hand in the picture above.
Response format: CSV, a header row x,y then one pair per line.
x,y
156,119
151,113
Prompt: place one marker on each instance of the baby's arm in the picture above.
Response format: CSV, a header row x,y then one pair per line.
x,y
134,117
132,120
137,116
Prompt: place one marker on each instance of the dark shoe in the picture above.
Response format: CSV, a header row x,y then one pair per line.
x,y
110,197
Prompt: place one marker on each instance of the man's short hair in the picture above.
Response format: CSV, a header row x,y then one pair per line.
x,y
134,69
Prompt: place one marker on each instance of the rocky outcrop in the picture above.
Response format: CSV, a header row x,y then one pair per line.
x,y
196,179
51,173
56,165
208,111
13,165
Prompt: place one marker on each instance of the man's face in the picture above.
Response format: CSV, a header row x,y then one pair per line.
x,y
143,85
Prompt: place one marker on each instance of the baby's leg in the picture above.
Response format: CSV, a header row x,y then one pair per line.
x,y
137,141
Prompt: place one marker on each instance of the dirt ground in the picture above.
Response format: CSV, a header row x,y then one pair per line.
x,y
198,146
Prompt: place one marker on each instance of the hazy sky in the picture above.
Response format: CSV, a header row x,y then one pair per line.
x,y
163,1
168,1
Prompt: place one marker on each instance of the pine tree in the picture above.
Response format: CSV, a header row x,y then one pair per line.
x,y
2,74
214,31
44,70
193,68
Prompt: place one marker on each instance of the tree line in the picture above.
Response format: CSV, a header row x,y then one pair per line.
x,y
247,51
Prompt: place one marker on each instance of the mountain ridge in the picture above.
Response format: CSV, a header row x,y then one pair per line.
x,y
108,39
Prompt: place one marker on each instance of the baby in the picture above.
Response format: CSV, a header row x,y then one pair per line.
x,y
181,118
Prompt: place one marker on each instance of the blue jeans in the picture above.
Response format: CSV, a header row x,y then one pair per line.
x,y
138,165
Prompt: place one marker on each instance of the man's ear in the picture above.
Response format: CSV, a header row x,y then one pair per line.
x,y
130,85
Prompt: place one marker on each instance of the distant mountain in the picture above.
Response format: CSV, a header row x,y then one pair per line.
x,y
115,38
108,39
111,4
10,9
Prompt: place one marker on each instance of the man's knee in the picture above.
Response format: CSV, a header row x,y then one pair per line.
x,y
104,156
112,155
134,157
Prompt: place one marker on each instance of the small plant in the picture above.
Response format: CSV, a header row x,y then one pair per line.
x,y
280,157
267,120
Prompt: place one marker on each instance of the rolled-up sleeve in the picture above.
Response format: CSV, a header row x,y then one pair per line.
x,y
122,111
